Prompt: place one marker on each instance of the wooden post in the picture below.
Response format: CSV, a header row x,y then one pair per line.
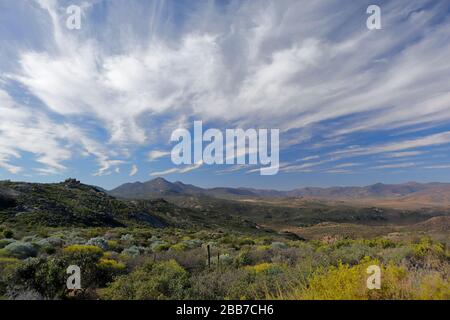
x,y
209,255
218,259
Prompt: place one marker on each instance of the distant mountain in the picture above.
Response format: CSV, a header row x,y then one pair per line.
x,y
154,188
162,188
378,190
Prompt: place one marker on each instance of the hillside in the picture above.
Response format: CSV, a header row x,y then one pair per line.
x,y
72,203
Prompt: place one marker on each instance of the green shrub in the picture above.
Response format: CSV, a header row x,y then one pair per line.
x,y
108,269
134,251
243,259
178,247
21,250
160,280
426,247
8,234
7,268
279,245
46,277
100,242
5,242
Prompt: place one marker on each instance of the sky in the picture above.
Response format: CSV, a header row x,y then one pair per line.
x,y
353,106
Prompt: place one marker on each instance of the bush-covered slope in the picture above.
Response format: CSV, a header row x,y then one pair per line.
x,y
72,204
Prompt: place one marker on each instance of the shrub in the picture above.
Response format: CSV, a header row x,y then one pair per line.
x,y
265,268
100,242
178,247
114,245
21,250
159,246
426,247
51,242
34,238
42,276
7,267
5,242
278,245
81,250
127,237
8,234
346,282
108,269
192,260
243,259
245,241
223,260
192,243
227,284
134,251
86,257
160,280
433,287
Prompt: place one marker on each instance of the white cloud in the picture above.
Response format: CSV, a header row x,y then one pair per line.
x,y
404,154
309,158
347,165
338,171
395,165
185,169
427,141
440,166
134,170
156,154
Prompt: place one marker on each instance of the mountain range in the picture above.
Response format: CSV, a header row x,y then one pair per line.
x,y
410,192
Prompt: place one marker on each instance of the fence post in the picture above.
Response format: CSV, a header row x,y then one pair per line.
x,y
218,260
209,255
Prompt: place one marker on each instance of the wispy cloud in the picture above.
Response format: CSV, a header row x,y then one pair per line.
x,y
157,154
395,166
347,165
404,154
438,166
184,169
309,158
427,141
134,170
338,171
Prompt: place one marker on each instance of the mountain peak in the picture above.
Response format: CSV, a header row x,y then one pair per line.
x,y
159,179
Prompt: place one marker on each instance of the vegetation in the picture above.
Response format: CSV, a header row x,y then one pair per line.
x,y
156,250
172,263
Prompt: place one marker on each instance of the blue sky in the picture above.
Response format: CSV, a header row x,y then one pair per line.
x,y
353,106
